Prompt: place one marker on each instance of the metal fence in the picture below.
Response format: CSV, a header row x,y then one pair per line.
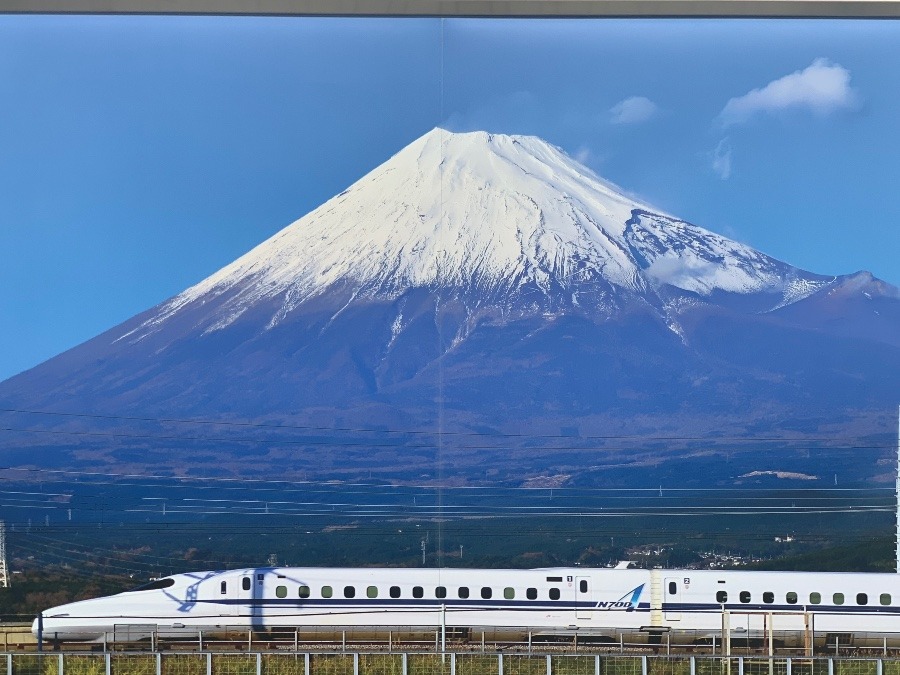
x,y
396,663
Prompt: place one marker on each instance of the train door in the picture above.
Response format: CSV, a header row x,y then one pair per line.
x,y
672,601
244,594
227,595
584,598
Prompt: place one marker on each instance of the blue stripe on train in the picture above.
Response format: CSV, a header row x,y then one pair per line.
x,y
689,607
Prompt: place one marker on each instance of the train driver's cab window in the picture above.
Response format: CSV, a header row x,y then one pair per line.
x,y
531,593
744,596
815,598
554,594
463,592
327,592
884,598
768,597
154,585
372,592
223,587
791,598
838,598
486,592
304,592
721,597
394,592
281,591
245,583
862,599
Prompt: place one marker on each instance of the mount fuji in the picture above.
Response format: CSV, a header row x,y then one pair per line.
x,y
470,299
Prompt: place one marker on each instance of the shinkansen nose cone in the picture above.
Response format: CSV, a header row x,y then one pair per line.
x,y
136,612
59,623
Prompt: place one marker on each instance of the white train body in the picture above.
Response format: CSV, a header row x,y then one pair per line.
x,y
629,604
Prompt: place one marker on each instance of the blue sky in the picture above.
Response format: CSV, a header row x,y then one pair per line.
x,y
140,154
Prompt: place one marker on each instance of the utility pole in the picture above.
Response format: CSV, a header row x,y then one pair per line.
x,y
4,567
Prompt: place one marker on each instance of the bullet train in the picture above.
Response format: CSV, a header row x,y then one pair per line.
x,y
632,605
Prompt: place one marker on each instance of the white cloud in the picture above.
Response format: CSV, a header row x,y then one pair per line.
x,y
687,271
583,155
822,87
518,112
721,159
632,110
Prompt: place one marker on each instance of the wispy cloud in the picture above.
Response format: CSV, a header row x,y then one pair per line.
x,y
721,159
517,112
822,87
583,155
633,110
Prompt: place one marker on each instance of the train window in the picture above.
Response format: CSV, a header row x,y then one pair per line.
x,y
486,592
372,592
155,585
463,592
245,583
768,597
223,588
509,593
583,586
394,592
791,598
744,596
838,598
281,591
304,591
418,592
349,591
326,591
554,594
721,596
815,598
862,599
531,593
884,598
673,588
440,592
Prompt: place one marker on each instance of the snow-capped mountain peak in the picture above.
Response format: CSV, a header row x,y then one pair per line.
x,y
509,217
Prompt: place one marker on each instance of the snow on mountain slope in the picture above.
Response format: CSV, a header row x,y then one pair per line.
x,y
504,216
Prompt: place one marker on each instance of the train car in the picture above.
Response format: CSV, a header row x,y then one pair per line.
x,y
631,605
